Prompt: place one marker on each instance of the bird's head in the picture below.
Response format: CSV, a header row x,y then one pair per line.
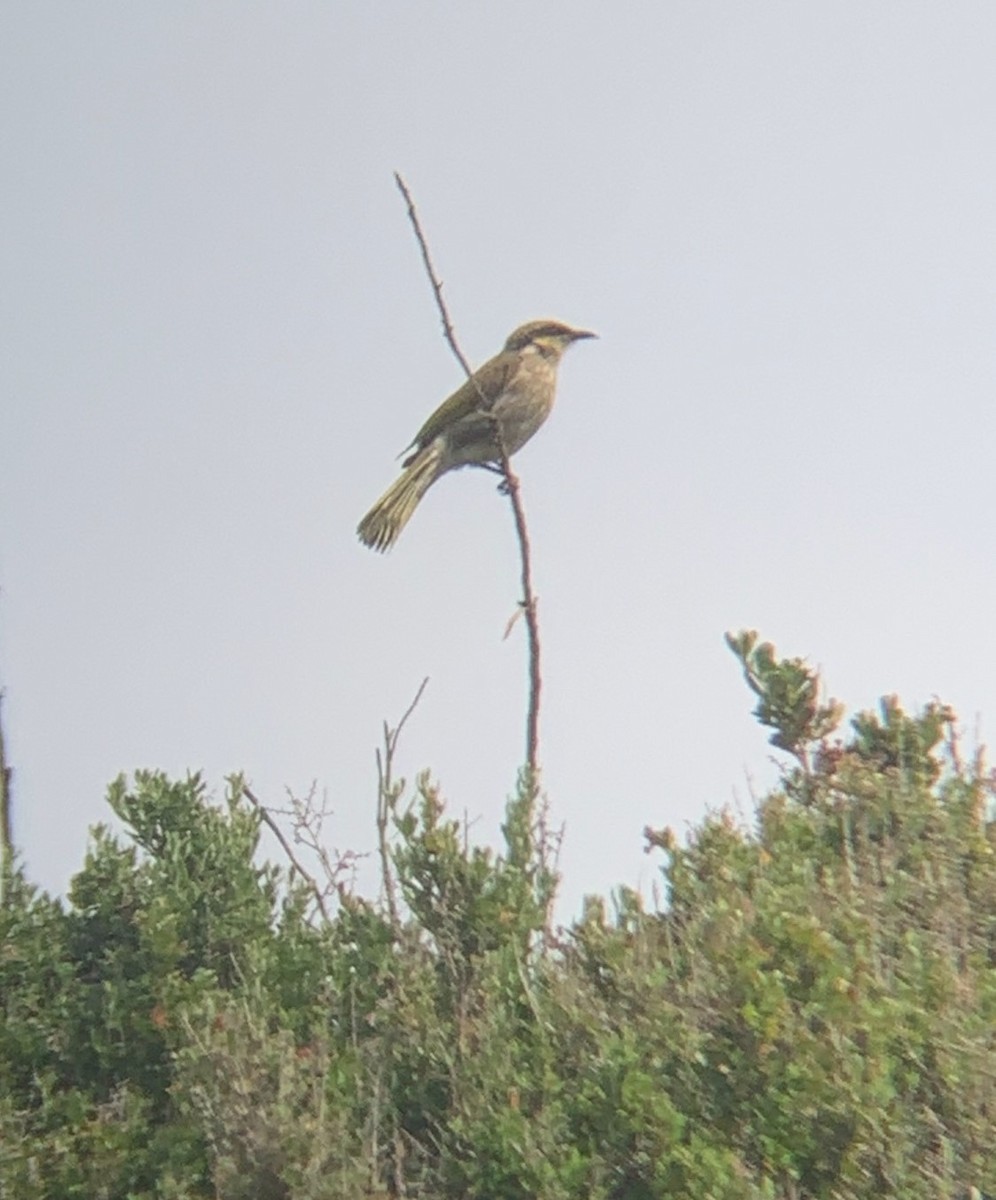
x,y
550,338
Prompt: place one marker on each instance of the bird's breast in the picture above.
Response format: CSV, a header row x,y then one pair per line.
x,y
526,403
520,409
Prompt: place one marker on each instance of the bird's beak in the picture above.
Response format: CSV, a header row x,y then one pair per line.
x,y
578,334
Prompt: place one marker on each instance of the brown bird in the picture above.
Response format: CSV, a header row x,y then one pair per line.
x,y
513,391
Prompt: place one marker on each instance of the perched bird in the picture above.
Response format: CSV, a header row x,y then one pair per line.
x,y
513,392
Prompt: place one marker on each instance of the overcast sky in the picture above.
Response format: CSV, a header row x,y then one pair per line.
x,y
216,335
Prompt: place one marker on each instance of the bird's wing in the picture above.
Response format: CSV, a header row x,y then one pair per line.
x,y
489,381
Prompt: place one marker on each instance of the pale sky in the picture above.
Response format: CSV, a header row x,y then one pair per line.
x,y
216,335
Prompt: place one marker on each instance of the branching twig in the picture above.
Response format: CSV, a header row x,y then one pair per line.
x,y
386,796
308,819
528,601
288,849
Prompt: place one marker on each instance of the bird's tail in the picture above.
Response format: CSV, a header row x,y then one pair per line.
x,y
380,528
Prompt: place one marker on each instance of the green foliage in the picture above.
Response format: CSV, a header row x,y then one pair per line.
x,y
811,1016
788,694
276,1112
895,740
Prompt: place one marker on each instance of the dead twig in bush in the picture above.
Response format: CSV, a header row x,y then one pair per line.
x,y
288,849
387,796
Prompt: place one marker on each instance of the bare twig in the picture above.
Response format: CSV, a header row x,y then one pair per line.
x,y
308,818
397,731
387,793
434,280
510,623
6,823
528,606
528,601
288,849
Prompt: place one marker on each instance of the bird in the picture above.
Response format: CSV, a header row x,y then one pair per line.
x,y
501,405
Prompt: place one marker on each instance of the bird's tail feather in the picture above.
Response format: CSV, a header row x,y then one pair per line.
x,y
380,528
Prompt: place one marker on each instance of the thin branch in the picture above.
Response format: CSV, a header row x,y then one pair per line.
x,y
528,606
511,486
309,818
288,850
437,285
6,823
396,732
386,796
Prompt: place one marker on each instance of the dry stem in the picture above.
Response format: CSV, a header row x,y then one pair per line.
x,y
387,794
528,601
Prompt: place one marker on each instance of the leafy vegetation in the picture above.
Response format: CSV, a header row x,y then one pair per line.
x,y
812,1012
